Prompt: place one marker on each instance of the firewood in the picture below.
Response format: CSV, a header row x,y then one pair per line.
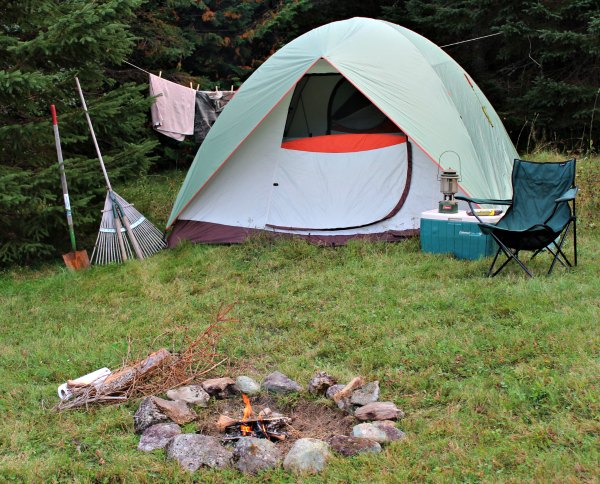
x,y
265,420
122,379
76,384
346,392
224,422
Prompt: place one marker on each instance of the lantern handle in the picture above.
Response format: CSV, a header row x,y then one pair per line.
x,y
459,164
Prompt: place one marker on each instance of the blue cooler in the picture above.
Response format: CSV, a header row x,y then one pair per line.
x,y
457,234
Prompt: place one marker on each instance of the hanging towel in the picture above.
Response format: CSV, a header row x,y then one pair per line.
x,y
173,108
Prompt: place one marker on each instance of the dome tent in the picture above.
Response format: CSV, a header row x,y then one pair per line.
x,y
339,134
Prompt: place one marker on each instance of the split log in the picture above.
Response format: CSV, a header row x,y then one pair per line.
x,y
224,421
121,380
76,384
118,384
342,398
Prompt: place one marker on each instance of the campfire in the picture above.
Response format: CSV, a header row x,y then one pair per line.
x,y
266,425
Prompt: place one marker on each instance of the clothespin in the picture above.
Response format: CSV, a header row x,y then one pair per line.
x,y
191,85
159,73
198,87
231,88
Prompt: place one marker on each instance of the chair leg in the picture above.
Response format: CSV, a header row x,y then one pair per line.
x,y
494,262
516,257
559,251
508,259
566,264
574,218
574,241
510,255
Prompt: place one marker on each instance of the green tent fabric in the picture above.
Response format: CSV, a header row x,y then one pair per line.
x,y
411,80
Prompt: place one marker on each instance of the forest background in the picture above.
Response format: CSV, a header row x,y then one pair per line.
x,y
541,72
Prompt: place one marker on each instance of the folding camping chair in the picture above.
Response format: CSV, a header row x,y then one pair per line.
x,y
537,215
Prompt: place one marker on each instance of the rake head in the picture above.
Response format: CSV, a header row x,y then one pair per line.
x,y
107,249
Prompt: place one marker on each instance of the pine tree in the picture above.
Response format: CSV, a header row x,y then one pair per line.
x,y
44,44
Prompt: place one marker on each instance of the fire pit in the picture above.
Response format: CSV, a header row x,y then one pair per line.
x,y
230,432
265,425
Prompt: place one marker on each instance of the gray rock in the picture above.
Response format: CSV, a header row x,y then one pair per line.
x,y
366,394
392,432
307,455
320,383
193,451
379,411
192,394
247,385
157,436
350,445
252,455
378,431
332,390
177,410
279,383
369,431
220,387
148,414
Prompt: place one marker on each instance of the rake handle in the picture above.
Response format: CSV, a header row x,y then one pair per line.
x,y
136,246
118,229
89,121
132,238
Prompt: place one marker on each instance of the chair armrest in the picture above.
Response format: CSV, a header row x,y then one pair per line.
x,y
484,201
568,195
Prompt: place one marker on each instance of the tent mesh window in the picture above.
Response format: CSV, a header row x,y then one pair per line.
x,y
325,104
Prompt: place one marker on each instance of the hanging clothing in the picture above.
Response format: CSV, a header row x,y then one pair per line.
x,y
173,110
206,115
220,98
209,105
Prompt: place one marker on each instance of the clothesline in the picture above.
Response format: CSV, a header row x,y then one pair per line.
x,y
160,75
471,40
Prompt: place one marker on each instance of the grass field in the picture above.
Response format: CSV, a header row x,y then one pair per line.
x,y
499,379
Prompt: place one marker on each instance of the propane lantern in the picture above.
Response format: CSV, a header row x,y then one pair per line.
x,y
449,187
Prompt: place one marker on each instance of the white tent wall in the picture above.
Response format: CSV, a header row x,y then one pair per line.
x,y
240,194
337,190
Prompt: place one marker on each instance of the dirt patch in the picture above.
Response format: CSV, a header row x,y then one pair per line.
x,y
310,419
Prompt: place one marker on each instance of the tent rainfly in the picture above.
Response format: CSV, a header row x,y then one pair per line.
x,y
341,134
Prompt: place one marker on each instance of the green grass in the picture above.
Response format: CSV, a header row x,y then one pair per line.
x,y
500,379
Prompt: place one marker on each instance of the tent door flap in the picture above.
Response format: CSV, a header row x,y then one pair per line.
x,y
334,191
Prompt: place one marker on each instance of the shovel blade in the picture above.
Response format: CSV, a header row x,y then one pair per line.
x,y
77,261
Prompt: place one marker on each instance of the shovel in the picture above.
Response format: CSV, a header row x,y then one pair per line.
x,y
76,259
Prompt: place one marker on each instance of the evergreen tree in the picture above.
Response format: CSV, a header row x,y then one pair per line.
x,y
44,44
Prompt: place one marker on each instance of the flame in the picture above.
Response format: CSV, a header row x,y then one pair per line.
x,y
248,412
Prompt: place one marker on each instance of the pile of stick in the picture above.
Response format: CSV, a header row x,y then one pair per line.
x,y
158,372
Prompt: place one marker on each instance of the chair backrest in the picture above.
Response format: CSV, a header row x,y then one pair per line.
x,y
536,186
